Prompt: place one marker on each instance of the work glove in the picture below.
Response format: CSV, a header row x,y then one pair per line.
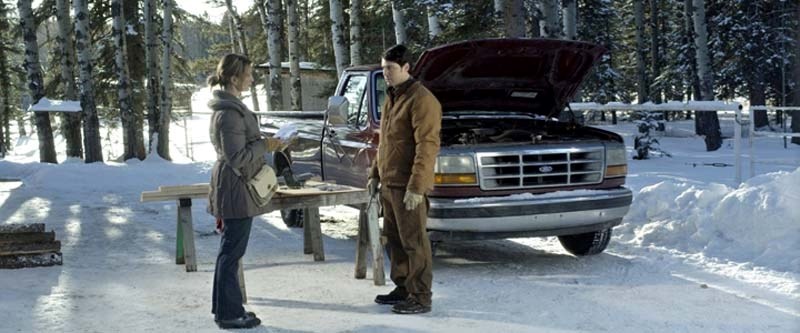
x,y
372,186
412,200
277,145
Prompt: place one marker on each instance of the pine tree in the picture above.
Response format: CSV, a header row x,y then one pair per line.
x,y
71,121
133,147
708,121
165,118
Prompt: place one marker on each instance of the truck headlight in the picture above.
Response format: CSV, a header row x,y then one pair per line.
x,y
616,161
455,170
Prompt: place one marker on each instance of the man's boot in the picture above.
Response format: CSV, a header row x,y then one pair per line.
x,y
396,296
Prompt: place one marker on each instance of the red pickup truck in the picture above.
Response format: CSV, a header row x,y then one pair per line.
x,y
507,166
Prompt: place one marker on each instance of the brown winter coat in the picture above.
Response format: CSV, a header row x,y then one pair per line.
x,y
409,138
237,140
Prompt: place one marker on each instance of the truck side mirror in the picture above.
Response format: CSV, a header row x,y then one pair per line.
x,y
337,110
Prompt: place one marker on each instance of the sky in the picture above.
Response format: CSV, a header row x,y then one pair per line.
x,y
198,7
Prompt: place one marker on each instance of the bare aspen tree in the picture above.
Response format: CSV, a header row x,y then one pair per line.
x,y
570,13
400,33
549,26
355,32
166,80
237,20
434,29
91,124
514,19
294,59
47,151
275,43
641,67
151,60
71,123
339,42
133,148
708,121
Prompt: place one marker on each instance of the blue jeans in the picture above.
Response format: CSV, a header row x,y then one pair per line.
x,y
227,296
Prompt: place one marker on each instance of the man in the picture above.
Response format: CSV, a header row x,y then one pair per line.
x,y
410,124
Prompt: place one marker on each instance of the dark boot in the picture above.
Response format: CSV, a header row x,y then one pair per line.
x,y
249,320
396,296
410,306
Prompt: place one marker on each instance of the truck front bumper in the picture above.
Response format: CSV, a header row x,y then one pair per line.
x,y
551,214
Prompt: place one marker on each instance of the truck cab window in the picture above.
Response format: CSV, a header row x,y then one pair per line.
x,y
354,92
380,93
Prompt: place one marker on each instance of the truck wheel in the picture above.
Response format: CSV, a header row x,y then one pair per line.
x,y
586,244
293,218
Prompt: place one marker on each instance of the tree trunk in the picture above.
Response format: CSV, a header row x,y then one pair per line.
x,y
708,121
243,50
514,19
275,42
757,97
166,80
399,19
795,93
231,32
570,12
5,94
355,32
47,151
91,125
133,149
71,121
339,42
136,72
655,55
294,60
641,67
434,29
549,25
151,60
499,14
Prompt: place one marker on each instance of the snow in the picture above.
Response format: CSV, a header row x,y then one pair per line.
x,y
696,253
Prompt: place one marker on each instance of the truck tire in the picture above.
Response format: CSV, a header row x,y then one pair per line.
x,y
586,244
293,218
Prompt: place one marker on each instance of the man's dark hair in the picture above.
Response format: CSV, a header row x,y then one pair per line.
x,y
399,54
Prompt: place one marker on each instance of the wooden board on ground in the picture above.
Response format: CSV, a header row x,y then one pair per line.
x,y
27,237
29,248
19,227
31,260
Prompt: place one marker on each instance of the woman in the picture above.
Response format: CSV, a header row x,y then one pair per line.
x,y
240,154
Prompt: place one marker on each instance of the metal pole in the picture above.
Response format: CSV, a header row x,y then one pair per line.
x,y
750,133
737,134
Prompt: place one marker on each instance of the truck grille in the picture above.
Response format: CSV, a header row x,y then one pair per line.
x,y
540,168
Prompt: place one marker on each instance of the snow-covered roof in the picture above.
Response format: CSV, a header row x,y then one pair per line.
x,y
47,105
303,65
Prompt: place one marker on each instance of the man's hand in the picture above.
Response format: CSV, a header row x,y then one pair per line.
x,y
412,200
372,186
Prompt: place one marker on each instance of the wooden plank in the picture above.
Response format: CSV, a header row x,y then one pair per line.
x,y
27,237
179,256
31,260
29,248
362,244
378,276
193,188
185,220
20,227
312,218
319,200
158,196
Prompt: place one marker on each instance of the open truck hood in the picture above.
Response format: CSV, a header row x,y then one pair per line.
x,y
537,76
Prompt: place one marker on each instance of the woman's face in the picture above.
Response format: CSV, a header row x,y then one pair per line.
x,y
243,81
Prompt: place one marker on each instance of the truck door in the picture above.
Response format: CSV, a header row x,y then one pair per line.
x,y
343,146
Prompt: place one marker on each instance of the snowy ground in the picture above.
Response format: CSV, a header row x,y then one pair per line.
x,y
696,253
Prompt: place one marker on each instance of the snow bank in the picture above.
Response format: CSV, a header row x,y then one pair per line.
x,y
758,222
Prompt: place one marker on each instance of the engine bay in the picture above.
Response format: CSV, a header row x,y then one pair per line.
x,y
503,130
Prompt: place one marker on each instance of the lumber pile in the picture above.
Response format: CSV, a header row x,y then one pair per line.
x,y
28,245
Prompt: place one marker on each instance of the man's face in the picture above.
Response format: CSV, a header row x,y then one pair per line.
x,y
393,73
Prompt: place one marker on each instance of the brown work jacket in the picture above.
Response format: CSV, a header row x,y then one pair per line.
x,y
409,138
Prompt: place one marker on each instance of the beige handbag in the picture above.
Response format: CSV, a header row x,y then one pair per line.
x,y
262,186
